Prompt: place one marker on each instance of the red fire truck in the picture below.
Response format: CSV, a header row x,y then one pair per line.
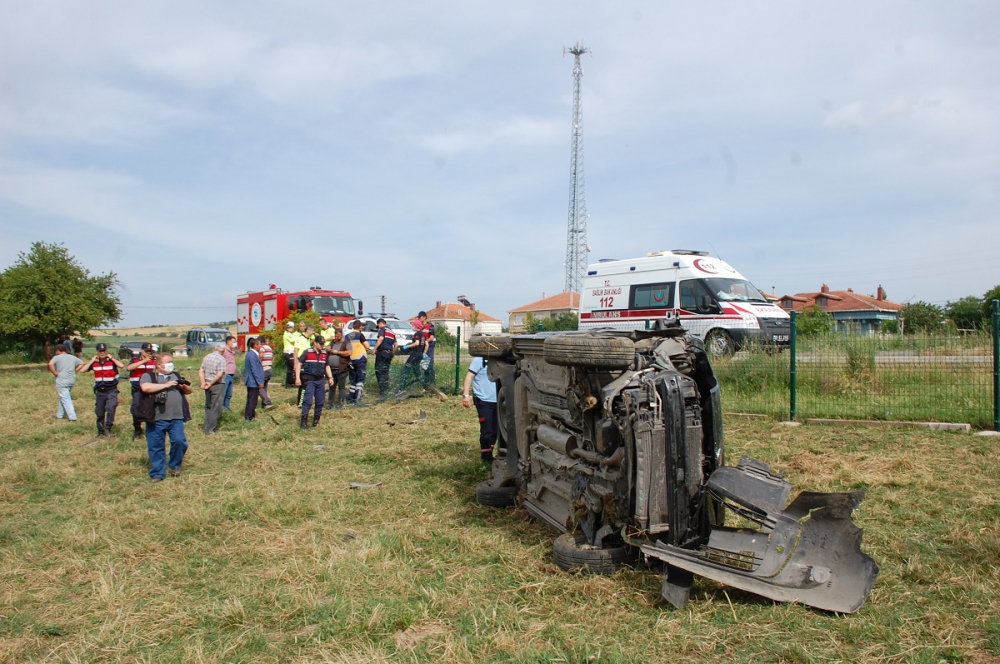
x,y
259,311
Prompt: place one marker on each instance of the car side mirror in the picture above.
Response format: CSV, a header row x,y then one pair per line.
x,y
361,308
706,305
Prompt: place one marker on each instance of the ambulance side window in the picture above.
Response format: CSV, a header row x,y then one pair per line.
x,y
693,292
653,296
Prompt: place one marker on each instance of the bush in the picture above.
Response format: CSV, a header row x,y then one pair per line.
x,y
813,322
922,317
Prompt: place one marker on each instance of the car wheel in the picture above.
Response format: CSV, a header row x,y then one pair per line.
x,y
572,553
491,347
567,350
719,343
496,496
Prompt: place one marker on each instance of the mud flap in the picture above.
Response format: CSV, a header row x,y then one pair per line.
x,y
808,552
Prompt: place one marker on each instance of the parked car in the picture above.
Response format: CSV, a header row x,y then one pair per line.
x,y
614,438
129,350
203,339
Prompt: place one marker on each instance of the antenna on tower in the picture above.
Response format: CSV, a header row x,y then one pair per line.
x,y
576,227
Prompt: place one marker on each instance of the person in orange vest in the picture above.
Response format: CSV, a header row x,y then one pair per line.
x,y
105,368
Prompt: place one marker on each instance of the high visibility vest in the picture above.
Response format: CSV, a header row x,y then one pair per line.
x,y
288,339
302,343
105,373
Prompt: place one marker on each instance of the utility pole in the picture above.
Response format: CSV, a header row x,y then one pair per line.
x,y
576,227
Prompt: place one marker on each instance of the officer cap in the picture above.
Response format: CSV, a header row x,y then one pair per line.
x,y
102,346
380,320
319,339
147,346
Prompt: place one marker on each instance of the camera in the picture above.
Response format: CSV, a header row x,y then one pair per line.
x,y
181,380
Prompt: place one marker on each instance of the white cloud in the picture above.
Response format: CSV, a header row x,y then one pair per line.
x,y
488,133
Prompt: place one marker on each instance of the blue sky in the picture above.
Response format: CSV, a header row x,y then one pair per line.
x,y
421,150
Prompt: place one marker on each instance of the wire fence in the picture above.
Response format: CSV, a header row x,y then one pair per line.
x,y
926,378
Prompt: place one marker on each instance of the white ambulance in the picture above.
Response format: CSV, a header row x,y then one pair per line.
x,y
711,300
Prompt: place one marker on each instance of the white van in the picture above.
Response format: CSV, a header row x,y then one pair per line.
x,y
711,300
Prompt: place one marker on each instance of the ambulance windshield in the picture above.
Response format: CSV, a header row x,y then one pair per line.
x,y
325,305
740,290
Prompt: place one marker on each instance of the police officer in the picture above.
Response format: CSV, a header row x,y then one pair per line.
x,y
416,349
288,350
105,369
303,343
145,364
385,346
310,371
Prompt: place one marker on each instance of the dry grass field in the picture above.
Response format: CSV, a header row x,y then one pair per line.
x,y
261,551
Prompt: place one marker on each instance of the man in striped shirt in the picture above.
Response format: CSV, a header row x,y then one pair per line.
x,y
105,369
267,361
212,376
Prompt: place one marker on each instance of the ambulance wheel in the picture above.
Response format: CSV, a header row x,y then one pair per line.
x,y
492,347
719,343
572,553
568,350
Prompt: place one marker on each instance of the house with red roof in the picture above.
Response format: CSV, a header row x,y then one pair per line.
x,y
852,312
547,307
454,315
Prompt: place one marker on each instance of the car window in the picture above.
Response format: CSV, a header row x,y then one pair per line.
x,y
201,338
653,296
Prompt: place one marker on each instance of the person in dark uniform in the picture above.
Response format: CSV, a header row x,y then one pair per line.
x,y
427,364
359,363
411,371
310,371
105,369
136,370
385,346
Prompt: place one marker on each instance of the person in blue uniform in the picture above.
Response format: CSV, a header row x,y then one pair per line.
x,y
312,375
385,347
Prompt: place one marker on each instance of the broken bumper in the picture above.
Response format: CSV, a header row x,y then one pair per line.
x,y
808,552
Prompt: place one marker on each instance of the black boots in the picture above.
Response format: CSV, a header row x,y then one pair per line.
x,y
315,420
303,424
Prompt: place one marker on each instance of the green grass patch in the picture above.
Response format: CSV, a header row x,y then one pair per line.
x,y
262,552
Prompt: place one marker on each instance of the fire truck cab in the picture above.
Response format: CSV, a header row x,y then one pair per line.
x,y
260,311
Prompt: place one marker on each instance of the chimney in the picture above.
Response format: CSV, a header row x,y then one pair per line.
x,y
824,289
881,293
438,305
850,290
472,306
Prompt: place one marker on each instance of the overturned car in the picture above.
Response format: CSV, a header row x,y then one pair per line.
x,y
614,439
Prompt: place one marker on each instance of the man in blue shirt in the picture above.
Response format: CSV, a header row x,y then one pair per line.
x,y
485,397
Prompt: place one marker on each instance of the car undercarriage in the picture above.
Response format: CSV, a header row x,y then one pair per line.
x,y
615,440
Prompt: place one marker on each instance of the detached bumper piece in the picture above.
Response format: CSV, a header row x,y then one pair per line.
x,y
808,552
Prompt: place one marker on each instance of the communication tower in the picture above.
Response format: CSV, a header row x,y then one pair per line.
x,y
576,227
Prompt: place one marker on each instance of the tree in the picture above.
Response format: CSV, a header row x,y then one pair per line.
x,y
922,317
813,322
966,313
564,321
991,294
46,293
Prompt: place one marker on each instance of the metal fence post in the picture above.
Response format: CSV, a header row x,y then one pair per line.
x,y
996,365
458,356
791,368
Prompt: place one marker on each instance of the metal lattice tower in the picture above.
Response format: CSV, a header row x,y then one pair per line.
x,y
576,227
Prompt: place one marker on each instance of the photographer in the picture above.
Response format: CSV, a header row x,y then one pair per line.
x,y
168,389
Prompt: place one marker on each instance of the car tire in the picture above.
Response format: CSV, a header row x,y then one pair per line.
x,y
572,553
488,495
567,350
492,347
718,343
